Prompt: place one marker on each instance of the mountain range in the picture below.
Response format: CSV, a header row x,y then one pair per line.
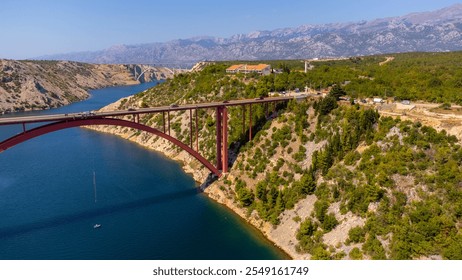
x,y
434,31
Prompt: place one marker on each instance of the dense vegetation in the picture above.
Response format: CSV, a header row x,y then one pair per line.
x,y
402,179
433,77
405,183
420,218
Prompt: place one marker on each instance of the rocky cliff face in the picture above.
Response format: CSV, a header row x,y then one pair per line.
x,y
35,85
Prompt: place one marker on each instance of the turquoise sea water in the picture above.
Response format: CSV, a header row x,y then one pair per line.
x,y
147,206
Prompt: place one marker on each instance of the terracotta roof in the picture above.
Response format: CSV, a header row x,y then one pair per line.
x,y
258,67
234,67
246,67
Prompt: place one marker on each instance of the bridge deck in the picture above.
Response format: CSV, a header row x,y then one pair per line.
x,y
73,116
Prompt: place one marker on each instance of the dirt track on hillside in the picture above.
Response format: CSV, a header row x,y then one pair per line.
x,y
428,114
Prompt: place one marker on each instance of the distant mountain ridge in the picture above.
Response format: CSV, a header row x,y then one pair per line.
x,y
436,31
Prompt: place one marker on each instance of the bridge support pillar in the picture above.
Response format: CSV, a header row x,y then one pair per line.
x,y
225,140
190,129
219,128
197,133
243,120
136,118
163,120
168,121
250,122
222,138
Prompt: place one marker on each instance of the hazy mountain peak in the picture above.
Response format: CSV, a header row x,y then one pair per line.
x,y
120,47
439,30
453,12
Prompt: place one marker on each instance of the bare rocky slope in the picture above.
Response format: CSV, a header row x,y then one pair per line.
x,y
36,85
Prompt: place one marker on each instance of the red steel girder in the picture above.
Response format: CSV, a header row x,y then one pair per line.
x,y
218,119
48,128
224,142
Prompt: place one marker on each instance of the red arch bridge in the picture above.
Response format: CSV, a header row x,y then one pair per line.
x,y
57,122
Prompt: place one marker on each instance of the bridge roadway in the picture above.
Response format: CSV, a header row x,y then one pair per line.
x,y
62,121
173,107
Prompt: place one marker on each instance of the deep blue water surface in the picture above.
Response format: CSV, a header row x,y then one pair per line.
x,y
147,206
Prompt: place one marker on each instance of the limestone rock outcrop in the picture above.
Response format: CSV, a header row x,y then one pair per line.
x,y
36,85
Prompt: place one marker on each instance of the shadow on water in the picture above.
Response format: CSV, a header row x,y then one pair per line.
x,y
208,181
67,219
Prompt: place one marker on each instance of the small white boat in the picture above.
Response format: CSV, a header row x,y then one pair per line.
x,y
95,226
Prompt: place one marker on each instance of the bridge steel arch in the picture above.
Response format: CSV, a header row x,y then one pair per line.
x,y
48,128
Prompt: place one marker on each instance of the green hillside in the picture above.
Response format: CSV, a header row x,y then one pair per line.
x,y
401,179
433,77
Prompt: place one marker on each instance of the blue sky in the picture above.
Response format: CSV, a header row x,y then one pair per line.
x,y
32,28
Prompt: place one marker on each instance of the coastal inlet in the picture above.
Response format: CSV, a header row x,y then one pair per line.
x,y
148,208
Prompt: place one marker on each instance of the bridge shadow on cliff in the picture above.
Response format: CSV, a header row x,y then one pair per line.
x,y
235,147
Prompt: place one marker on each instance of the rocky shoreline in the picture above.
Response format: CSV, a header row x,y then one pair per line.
x,y
37,85
282,236
277,236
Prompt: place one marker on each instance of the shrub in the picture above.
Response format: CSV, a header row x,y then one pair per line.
x,y
329,223
356,235
356,254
